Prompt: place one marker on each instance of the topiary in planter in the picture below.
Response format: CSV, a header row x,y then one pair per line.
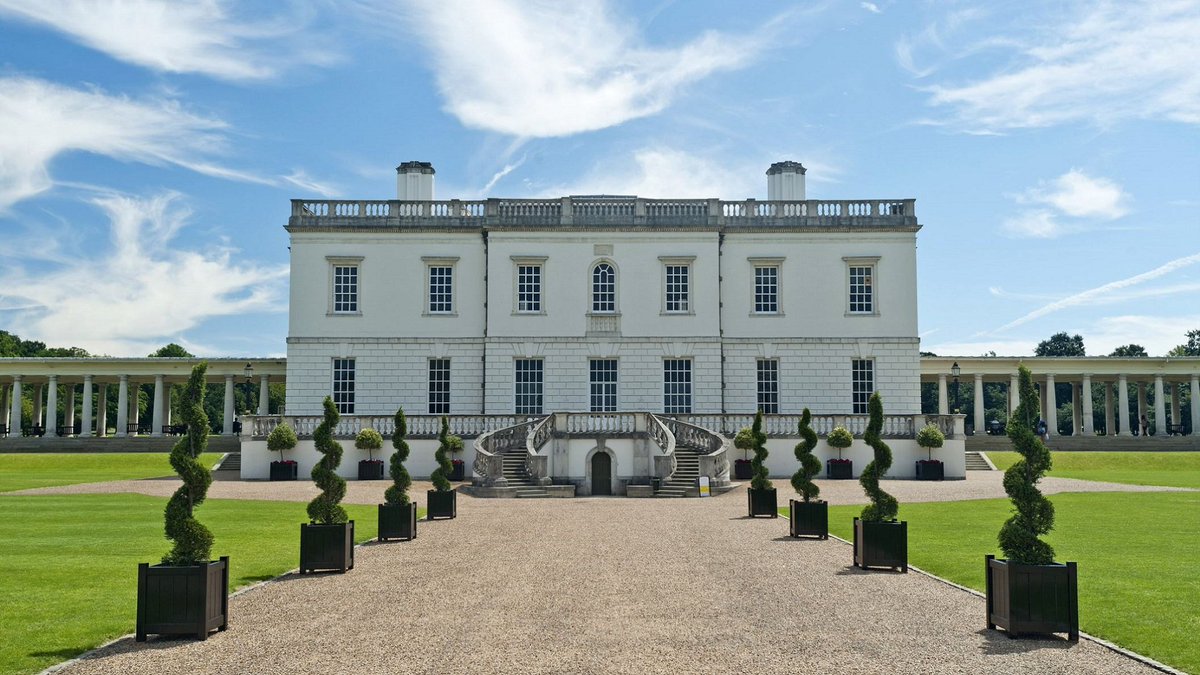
x,y
1019,537
744,440
840,438
397,494
809,464
192,540
930,437
440,476
369,440
325,509
442,502
282,437
760,480
883,506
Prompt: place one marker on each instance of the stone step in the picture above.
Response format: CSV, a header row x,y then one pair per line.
x,y
230,462
976,462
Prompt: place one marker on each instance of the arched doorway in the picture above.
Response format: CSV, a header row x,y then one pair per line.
x,y
601,474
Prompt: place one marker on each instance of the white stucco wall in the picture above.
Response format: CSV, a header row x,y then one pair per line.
x,y
782,459
256,458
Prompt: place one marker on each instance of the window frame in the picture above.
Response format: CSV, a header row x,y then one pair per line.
x,y
592,294
440,262
870,263
434,388
761,263
686,394
540,394
343,400
333,262
599,389
688,264
529,261
766,388
858,392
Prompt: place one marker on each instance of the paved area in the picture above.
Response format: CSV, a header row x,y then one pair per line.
x,y
606,585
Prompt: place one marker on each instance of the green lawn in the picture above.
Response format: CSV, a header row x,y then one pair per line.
x,y
70,563
20,471
1175,469
1136,552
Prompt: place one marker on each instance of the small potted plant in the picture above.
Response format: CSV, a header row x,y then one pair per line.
x,y
398,515
442,499
282,438
930,437
839,438
744,441
761,494
879,539
369,469
327,542
186,594
1028,592
458,468
809,518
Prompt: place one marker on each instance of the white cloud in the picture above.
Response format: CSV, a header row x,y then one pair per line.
x,y
1105,62
547,69
1157,333
1037,224
142,290
658,173
1079,195
980,347
870,7
179,37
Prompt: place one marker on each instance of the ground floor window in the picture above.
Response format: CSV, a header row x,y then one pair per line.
x,y
439,386
768,386
527,393
677,386
862,383
343,385
603,387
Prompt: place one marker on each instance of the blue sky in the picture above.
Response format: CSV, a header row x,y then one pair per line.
x,y
148,149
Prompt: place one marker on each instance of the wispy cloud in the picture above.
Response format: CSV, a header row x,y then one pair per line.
x,y
547,69
870,7
1075,195
1101,63
209,37
142,290
508,168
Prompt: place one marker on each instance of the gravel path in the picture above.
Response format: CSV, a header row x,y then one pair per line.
x,y
606,585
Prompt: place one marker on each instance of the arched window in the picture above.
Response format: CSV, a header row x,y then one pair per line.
x,y
604,288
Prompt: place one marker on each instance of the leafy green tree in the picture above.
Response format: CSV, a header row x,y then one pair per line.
x,y
171,350
369,440
744,441
1019,537
883,507
1129,350
759,481
281,438
840,438
809,464
192,540
1189,348
930,437
1061,344
397,494
326,508
441,475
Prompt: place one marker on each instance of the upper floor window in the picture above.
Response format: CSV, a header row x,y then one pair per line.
x,y
440,289
677,386
604,288
439,386
343,385
602,385
677,285
344,288
862,384
766,289
528,285
861,289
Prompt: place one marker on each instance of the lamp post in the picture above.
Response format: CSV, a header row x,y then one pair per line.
x,y
249,372
955,370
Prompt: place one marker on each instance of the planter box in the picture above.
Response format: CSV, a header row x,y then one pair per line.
x,y
183,600
459,470
370,469
398,521
762,502
809,519
881,544
930,470
1032,598
326,548
441,504
742,470
836,470
284,470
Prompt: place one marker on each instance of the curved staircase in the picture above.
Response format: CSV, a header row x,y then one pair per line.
x,y
517,476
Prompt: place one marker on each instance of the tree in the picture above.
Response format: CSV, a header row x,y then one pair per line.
x,y
192,540
809,465
1129,350
759,481
369,440
281,438
1019,537
744,441
1061,344
325,509
1189,348
930,437
397,494
840,438
172,350
441,475
883,507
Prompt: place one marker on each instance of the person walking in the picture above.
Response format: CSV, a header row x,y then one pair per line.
x,y
1145,426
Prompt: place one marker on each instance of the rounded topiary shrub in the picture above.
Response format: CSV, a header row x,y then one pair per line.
x,y
809,465
369,440
840,438
883,507
1020,536
441,475
192,541
930,437
759,481
326,508
744,440
397,493
281,438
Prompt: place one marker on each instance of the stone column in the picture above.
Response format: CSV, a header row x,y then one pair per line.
x,y
1123,405
943,404
1089,426
7,407
37,406
86,423
1110,428
1141,404
135,398
122,406
69,413
978,404
227,418
52,407
102,411
1160,408
1014,393
1176,417
1076,410
1195,403
157,418
1051,407
14,415
264,396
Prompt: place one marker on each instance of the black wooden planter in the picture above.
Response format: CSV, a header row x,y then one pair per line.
x,y
284,470
397,521
441,504
839,470
762,502
1032,598
809,519
370,469
742,469
326,548
882,544
459,469
930,470
183,600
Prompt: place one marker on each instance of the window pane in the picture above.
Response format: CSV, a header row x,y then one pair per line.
x,y
862,382
439,386
343,385
677,386
603,382
345,288
768,386
677,288
604,288
861,291
766,289
529,288
527,387
440,289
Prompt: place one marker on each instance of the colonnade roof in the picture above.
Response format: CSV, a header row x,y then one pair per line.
x,y
110,369
1064,368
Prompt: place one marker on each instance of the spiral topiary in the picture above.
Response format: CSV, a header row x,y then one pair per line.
x,y
760,480
368,439
325,508
809,464
440,477
883,506
1035,514
397,494
192,540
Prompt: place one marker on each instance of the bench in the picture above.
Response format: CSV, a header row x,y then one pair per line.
x,y
1175,429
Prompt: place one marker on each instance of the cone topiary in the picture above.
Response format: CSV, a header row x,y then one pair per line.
x,y
325,508
809,464
1019,537
441,475
368,439
840,438
282,437
397,494
760,480
930,437
883,507
192,540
